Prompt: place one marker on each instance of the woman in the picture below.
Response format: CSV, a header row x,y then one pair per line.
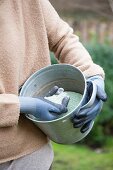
x,y
28,30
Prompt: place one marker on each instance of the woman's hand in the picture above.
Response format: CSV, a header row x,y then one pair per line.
x,y
85,116
42,108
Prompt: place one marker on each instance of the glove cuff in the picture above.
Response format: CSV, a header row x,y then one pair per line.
x,y
98,80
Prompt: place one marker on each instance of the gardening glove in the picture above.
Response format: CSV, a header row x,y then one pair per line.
x,y
42,108
87,115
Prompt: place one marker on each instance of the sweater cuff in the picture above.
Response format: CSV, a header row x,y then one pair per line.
x,y
9,110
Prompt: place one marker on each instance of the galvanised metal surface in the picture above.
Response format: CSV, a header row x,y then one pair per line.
x,y
70,78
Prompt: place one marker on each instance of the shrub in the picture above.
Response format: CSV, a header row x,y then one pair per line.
x,y
103,55
53,59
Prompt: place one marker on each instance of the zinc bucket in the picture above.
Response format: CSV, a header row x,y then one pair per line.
x,y
70,78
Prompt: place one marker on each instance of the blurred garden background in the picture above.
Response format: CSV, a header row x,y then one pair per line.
x,y
92,21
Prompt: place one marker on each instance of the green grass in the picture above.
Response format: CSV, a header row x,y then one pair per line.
x,y
79,157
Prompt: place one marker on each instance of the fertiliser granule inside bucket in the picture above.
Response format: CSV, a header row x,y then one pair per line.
x,y
75,99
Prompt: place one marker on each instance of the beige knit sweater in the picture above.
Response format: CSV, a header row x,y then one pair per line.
x,y
28,29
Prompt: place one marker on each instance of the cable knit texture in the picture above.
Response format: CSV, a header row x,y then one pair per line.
x,y
28,29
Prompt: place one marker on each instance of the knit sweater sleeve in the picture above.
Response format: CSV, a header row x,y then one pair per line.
x,y
9,110
65,44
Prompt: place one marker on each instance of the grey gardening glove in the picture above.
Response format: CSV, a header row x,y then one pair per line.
x,y
85,117
41,107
